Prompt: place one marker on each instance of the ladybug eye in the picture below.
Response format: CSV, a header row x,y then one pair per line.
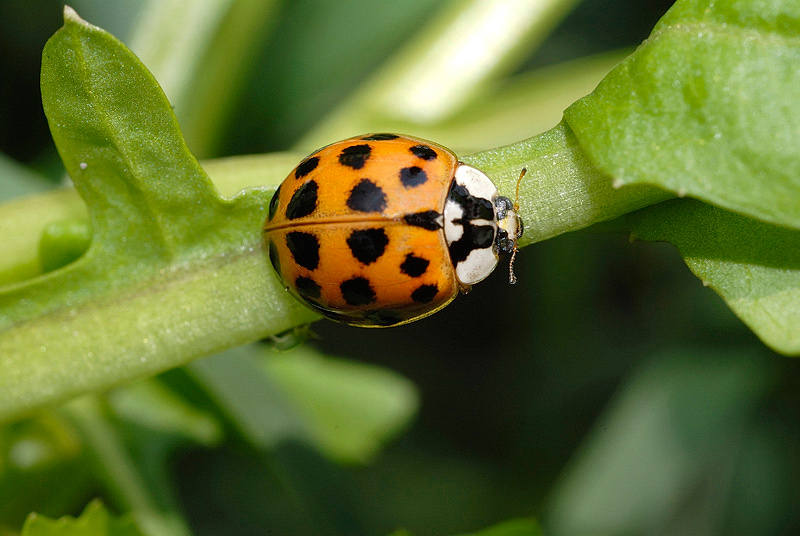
x,y
505,245
502,205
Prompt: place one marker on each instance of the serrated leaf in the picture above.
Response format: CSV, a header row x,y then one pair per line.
x,y
754,266
94,521
706,107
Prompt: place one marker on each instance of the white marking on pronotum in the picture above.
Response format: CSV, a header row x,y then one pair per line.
x,y
453,231
476,182
480,262
477,266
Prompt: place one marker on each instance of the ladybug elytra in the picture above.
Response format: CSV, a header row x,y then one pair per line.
x,y
383,229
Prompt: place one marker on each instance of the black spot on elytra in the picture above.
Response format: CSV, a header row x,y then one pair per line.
x,y
366,196
355,156
368,245
413,176
357,291
306,166
273,204
424,152
303,202
274,258
414,266
380,137
383,318
426,219
424,293
304,248
307,287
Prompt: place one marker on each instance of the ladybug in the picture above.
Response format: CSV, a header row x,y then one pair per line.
x,y
383,229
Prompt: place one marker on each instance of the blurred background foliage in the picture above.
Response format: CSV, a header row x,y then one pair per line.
x,y
607,393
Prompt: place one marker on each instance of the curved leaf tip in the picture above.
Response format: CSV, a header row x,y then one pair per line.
x,y
70,15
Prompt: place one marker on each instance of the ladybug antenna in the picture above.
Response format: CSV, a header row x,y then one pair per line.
x,y
512,277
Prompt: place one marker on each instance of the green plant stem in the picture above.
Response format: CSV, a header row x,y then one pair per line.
x,y
562,191
182,314
216,302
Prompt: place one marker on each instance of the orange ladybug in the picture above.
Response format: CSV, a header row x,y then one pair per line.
x,y
383,229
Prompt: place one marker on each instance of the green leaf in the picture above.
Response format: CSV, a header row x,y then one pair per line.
x,y
346,410
138,178
706,107
248,398
272,422
754,266
351,408
149,405
26,220
94,521
170,261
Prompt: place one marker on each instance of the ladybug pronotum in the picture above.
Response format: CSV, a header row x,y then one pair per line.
x,y
383,229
